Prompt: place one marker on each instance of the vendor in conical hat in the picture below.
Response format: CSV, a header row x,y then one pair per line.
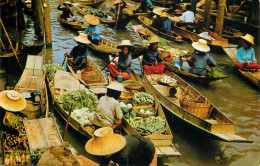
x,y
198,62
11,101
246,55
108,112
152,57
122,150
78,55
66,11
123,65
92,30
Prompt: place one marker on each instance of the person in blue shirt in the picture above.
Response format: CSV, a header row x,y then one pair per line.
x,y
199,60
246,55
77,58
144,7
92,30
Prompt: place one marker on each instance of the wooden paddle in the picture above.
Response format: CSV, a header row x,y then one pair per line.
x,y
65,130
118,13
108,63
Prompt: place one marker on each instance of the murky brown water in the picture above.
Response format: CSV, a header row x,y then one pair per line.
x,y
233,96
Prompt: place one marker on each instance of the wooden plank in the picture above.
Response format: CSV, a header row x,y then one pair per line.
x,y
168,151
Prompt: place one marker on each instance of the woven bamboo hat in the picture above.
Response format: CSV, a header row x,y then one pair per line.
x,y
201,45
116,86
67,2
125,43
12,101
105,142
154,39
117,2
82,38
91,19
249,38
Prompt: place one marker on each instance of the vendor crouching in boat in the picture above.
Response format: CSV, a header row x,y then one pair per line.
x,y
150,56
77,58
66,11
197,63
123,150
119,10
123,66
108,112
92,30
11,101
246,55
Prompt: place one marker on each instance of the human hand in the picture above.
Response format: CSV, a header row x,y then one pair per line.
x,y
65,54
253,61
114,61
117,54
245,64
93,33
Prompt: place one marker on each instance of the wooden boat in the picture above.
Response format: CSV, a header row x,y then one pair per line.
x,y
92,3
33,81
8,52
55,93
146,22
252,77
162,142
100,81
75,25
207,118
201,79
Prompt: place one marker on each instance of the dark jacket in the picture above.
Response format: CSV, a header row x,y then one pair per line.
x,y
124,62
149,56
66,13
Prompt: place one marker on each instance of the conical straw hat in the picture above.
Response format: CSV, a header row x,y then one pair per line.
x,y
82,38
157,11
12,101
91,19
116,86
105,142
154,39
117,2
248,38
125,43
201,45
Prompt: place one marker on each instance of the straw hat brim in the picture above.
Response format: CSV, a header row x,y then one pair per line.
x,y
82,40
102,146
199,47
121,46
12,105
116,86
91,19
247,39
154,40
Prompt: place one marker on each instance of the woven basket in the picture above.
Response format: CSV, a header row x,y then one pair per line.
x,y
136,108
90,77
163,131
128,85
143,105
196,108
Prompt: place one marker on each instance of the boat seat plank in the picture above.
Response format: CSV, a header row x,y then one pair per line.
x,y
232,138
167,151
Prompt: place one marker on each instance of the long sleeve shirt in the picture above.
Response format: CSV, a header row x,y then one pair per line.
x,y
78,53
246,55
139,151
145,6
93,28
66,12
121,15
200,63
158,23
124,62
108,112
149,56
188,17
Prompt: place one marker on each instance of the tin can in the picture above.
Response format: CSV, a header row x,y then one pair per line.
x,y
120,79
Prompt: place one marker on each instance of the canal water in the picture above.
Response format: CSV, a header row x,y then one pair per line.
x,y
234,96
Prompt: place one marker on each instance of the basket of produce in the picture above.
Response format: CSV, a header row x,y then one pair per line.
x,y
144,111
90,76
142,98
126,96
167,80
126,104
149,125
131,84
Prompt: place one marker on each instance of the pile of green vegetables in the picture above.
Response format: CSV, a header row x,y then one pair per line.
x,y
80,99
97,12
51,70
143,98
35,157
150,125
216,74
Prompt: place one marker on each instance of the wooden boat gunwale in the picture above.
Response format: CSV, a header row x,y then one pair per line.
x,y
70,26
92,3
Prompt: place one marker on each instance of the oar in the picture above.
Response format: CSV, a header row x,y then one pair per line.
x,y
108,64
64,60
3,46
65,130
118,14
191,39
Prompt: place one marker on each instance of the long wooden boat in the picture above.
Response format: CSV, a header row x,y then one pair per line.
x,y
75,25
33,81
211,122
200,79
87,131
8,52
146,22
162,142
101,81
252,77
92,3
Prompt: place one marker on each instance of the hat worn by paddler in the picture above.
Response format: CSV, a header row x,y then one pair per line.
x,y
91,19
105,142
249,38
13,101
67,2
201,45
82,38
117,2
125,43
154,39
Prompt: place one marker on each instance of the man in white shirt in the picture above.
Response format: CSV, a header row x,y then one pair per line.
x,y
188,16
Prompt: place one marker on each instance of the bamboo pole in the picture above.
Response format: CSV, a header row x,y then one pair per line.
x,y
207,11
118,13
67,123
47,23
220,17
11,44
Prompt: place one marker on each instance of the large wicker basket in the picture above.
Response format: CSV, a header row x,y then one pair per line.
x,y
90,77
137,108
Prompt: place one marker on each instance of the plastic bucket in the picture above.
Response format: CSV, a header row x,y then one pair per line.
x,y
177,63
